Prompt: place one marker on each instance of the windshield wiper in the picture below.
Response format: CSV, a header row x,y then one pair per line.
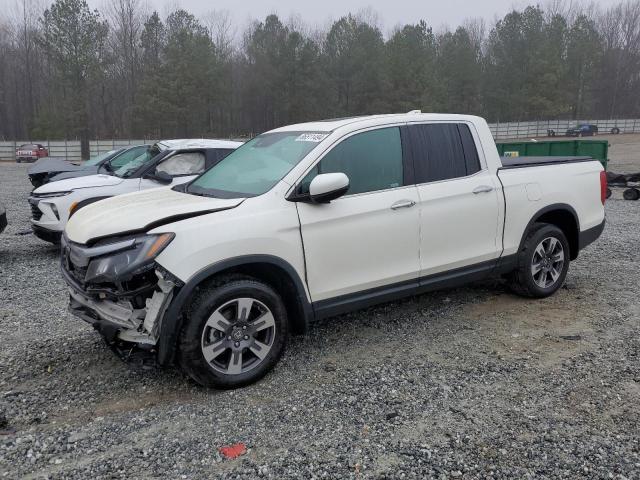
x,y
182,188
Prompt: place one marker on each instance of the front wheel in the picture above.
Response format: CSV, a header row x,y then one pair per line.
x,y
543,262
235,332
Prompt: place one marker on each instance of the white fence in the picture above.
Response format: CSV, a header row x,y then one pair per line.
x,y
71,149
502,131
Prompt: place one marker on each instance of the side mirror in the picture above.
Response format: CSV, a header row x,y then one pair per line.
x,y
161,177
328,186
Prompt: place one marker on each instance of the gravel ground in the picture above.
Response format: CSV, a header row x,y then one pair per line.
x,y
465,383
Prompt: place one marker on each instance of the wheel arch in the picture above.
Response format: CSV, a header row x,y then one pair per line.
x,y
275,271
565,218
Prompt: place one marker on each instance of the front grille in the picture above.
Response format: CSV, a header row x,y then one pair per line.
x,y
78,273
36,213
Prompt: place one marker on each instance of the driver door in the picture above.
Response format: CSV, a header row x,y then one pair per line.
x,y
368,238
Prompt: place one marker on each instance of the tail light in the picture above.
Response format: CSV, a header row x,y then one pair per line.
x,y
603,186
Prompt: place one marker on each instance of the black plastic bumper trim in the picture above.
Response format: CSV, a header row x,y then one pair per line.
x,y
591,235
46,235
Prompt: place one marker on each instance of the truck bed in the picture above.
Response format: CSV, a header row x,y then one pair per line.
x,y
520,162
569,182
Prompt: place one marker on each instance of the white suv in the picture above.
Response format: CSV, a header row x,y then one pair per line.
x,y
317,219
169,162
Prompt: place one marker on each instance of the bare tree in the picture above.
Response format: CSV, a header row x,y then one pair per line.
x,y
221,31
126,20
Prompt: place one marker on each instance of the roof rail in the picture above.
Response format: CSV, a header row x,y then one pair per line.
x,y
414,111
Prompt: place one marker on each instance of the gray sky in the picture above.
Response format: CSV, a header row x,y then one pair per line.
x,y
437,13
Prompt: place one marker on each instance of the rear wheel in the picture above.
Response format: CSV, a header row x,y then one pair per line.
x,y
543,262
235,332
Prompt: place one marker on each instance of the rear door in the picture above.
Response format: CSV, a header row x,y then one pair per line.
x,y
458,196
369,237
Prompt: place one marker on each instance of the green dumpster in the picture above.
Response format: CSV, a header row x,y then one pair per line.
x,y
598,149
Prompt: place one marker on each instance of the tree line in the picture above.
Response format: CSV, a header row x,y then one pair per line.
x,y
73,72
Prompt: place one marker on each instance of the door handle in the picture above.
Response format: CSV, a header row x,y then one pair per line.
x,y
402,204
482,189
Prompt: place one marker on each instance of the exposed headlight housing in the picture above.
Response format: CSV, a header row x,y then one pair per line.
x,y
130,258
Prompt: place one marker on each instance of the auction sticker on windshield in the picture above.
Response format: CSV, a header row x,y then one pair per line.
x,y
312,137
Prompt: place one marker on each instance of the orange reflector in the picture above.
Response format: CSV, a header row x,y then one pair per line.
x,y
72,208
161,242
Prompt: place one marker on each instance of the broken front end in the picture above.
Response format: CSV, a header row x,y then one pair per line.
x,y
116,286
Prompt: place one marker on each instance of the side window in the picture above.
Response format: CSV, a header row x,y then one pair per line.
x,y
470,151
126,157
442,151
372,161
188,163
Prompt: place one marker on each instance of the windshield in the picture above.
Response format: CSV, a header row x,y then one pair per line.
x,y
256,166
98,158
129,168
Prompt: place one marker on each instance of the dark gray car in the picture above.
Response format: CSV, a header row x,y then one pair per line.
x,y
52,169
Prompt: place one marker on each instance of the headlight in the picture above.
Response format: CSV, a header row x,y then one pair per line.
x,y
125,263
51,195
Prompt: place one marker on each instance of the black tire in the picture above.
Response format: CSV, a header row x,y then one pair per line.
x,y
522,280
631,194
615,130
18,160
195,330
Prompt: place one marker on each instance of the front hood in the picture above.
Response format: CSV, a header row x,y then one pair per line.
x,y
84,171
52,164
90,181
140,212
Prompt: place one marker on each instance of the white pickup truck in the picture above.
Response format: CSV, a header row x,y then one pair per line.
x,y
316,219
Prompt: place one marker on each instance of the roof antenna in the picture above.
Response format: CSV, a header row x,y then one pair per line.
x,y
414,111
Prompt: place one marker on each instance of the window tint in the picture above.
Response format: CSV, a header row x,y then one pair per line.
x,y
372,161
188,163
443,151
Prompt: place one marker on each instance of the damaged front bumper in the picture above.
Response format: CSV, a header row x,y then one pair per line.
x,y
128,312
119,319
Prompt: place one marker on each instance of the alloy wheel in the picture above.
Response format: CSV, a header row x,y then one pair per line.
x,y
238,336
547,262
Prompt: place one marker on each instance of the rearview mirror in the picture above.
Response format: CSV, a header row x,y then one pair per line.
x,y
161,177
328,186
